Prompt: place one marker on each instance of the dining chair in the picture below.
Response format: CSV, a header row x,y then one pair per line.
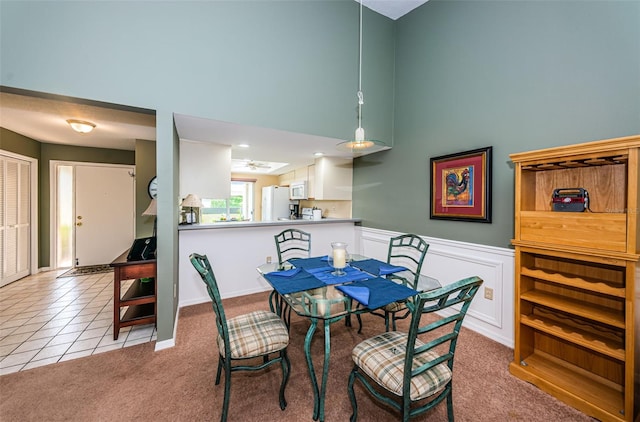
x,y
416,368
258,334
290,243
409,251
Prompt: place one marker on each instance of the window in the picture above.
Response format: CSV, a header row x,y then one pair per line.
x,y
238,207
65,216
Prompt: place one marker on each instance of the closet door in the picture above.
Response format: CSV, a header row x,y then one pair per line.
x,y
15,219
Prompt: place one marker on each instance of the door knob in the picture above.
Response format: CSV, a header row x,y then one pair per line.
x,y
79,217
79,223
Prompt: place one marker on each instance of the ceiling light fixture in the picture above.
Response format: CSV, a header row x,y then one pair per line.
x,y
81,126
360,144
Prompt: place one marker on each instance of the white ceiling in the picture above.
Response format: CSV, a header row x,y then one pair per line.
x,y
44,119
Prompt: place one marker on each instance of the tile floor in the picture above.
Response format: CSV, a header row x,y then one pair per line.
x,y
44,320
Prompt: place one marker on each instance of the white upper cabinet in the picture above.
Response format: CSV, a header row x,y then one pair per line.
x,y
332,179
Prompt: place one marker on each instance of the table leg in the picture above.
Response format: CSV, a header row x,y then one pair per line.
x,y
319,393
312,372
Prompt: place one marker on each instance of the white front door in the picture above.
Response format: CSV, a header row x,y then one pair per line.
x,y
15,219
104,213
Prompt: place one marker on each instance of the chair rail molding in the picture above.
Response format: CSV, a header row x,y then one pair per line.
x,y
448,261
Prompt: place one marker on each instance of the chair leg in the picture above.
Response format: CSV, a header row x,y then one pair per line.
x,y
359,323
288,322
218,373
227,391
450,406
386,321
352,395
272,301
286,368
393,321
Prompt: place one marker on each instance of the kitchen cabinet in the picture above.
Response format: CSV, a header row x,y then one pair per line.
x,y
311,184
286,178
333,179
301,174
577,289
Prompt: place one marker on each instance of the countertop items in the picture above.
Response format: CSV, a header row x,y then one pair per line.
x,y
245,224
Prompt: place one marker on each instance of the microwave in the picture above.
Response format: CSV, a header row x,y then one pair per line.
x,y
298,190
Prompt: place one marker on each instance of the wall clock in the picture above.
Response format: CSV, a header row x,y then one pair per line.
x,y
152,189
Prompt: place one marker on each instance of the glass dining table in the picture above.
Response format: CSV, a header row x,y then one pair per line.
x,y
308,287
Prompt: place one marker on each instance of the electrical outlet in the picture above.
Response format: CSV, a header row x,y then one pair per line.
x,y
488,293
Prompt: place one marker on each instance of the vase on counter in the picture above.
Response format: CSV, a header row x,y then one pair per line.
x,y
338,258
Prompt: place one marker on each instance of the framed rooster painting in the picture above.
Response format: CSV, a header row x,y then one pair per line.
x,y
461,186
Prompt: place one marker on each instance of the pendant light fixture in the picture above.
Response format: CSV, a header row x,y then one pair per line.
x,y
360,143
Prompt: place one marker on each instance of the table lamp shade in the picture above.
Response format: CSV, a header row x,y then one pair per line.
x,y
192,201
152,209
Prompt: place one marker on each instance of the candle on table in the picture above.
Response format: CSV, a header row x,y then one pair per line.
x,y
339,258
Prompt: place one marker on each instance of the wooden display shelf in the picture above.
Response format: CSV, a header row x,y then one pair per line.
x,y
586,310
577,276
576,387
584,283
139,299
138,314
580,337
139,292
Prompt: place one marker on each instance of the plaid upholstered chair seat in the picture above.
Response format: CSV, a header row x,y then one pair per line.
x,y
395,307
382,359
413,372
255,334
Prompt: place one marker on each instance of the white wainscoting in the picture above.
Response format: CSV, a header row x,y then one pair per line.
x,y
236,252
449,261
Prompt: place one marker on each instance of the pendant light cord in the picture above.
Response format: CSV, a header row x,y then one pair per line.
x,y
360,96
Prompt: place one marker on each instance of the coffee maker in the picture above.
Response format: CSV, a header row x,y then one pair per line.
x,y
294,210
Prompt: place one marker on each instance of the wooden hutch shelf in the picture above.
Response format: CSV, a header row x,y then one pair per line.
x,y
138,304
577,274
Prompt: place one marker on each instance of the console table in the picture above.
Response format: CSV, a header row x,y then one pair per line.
x,y
140,297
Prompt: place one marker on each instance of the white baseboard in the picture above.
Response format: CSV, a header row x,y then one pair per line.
x,y
169,343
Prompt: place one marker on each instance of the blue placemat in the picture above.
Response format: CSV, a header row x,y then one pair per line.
x,y
381,292
310,263
351,274
294,280
376,267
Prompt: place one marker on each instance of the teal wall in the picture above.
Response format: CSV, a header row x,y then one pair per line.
x,y
515,75
289,65
450,76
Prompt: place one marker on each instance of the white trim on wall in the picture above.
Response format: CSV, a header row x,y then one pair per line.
x,y
236,253
448,261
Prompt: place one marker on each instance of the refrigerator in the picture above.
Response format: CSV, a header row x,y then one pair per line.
x,y
275,202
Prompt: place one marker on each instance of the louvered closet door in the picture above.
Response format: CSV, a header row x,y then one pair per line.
x,y
14,214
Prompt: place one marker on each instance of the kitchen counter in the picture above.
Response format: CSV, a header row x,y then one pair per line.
x,y
247,224
235,249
